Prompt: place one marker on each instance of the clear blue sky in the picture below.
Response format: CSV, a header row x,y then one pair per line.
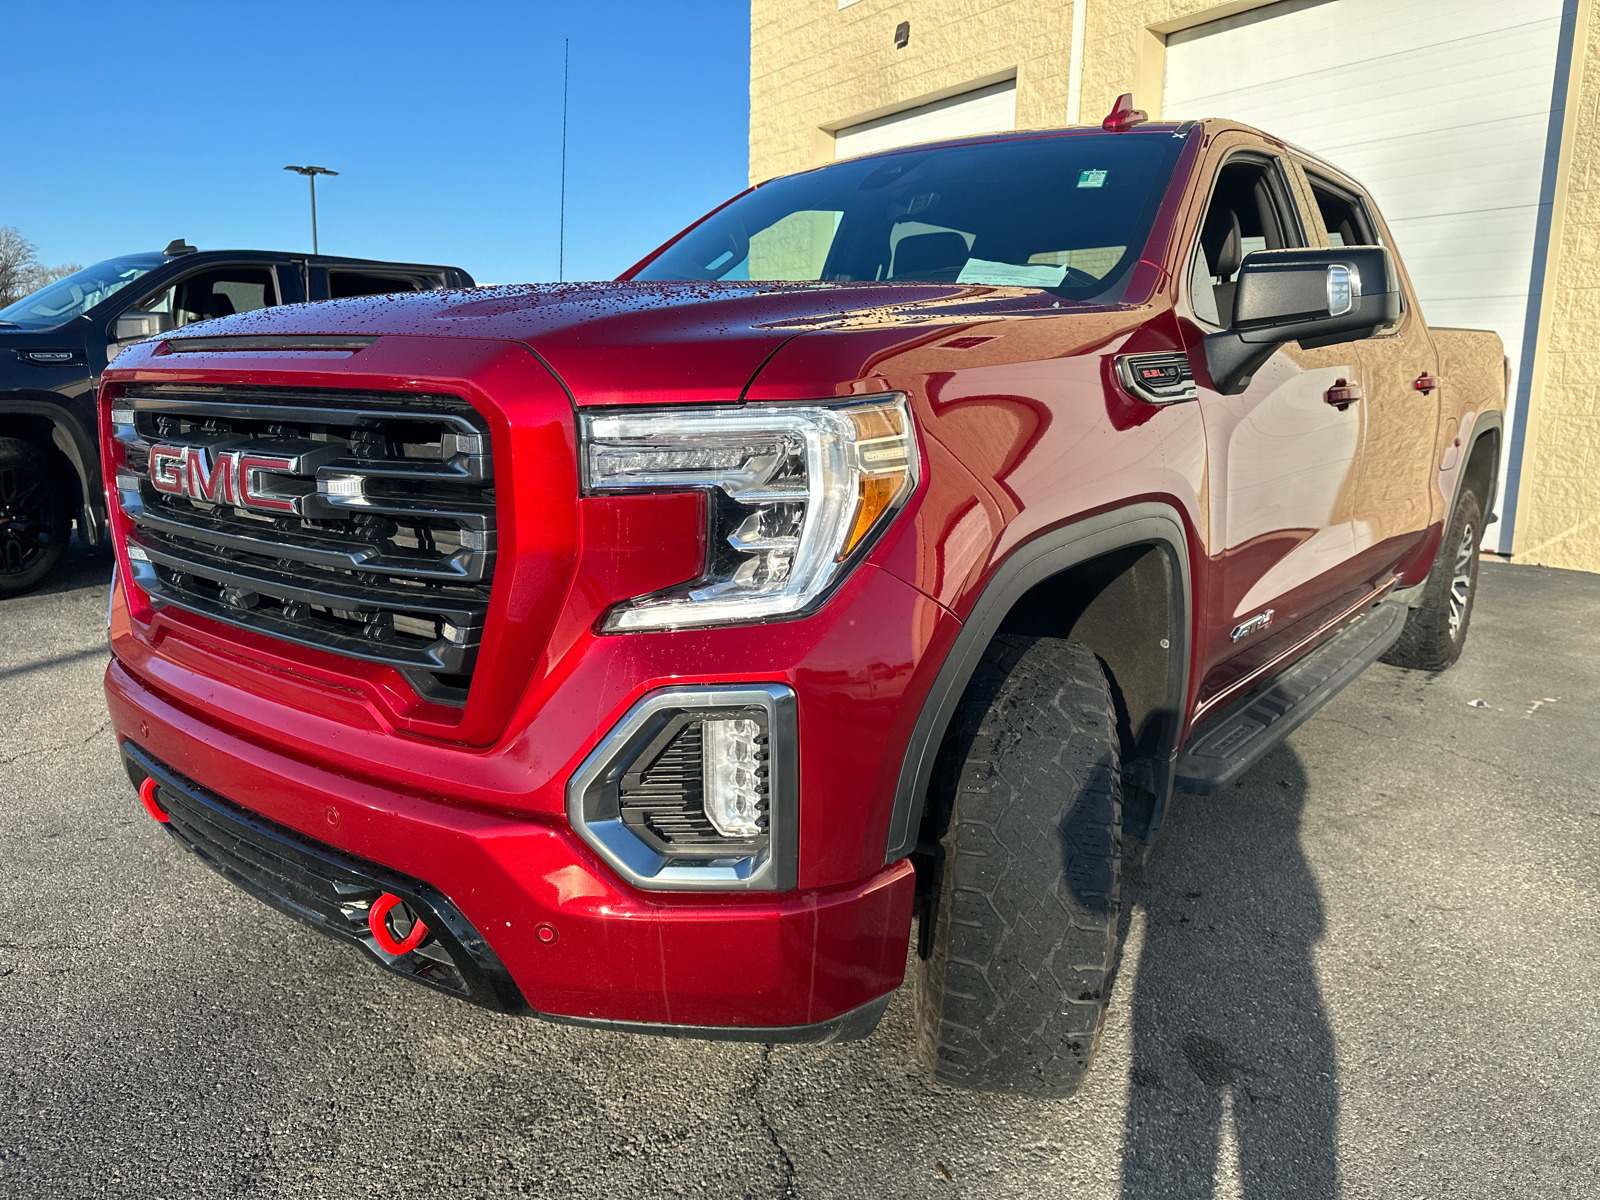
x,y
130,124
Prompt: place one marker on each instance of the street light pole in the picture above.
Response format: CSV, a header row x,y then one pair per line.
x,y
311,174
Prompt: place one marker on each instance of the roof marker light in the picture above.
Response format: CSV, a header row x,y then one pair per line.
x,y
1123,115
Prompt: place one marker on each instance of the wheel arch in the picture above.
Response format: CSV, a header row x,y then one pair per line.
x,y
1481,463
1076,580
43,422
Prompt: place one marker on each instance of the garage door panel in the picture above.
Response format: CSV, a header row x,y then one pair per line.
x,y
1459,85
1283,46
985,110
1440,108
1420,175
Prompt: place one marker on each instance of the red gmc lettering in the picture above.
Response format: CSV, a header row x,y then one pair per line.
x,y
166,470
214,483
250,489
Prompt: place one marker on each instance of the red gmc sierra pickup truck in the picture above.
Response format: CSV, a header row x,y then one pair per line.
x,y
878,556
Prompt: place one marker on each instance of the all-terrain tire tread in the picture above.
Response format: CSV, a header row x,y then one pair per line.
x,y
1014,994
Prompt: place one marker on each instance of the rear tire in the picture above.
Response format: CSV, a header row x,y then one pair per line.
x,y
35,516
1013,994
1436,629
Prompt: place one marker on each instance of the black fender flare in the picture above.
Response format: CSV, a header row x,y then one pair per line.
x,y
1148,523
1483,424
76,445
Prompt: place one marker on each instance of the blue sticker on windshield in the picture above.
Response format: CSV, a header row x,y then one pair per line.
x,y
1092,178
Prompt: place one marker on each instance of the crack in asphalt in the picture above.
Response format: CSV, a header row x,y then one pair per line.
x,y
764,1074
1454,751
68,744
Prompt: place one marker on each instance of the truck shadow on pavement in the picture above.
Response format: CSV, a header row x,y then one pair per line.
x,y
1232,1061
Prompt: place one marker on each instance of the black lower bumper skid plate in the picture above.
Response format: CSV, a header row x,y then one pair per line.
x,y
332,891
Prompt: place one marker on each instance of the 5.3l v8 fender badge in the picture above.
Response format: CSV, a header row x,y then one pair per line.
x,y
1157,378
1254,624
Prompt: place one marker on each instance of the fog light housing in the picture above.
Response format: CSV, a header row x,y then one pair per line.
x,y
695,789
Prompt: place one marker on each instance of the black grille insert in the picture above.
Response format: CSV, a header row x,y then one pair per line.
x,y
662,797
369,532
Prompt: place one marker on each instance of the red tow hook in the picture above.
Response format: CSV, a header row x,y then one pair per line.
x,y
378,922
147,797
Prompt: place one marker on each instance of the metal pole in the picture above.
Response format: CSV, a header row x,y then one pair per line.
x,y
311,174
561,239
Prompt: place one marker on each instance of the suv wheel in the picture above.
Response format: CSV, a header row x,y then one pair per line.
x,y
35,516
1436,629
1012,993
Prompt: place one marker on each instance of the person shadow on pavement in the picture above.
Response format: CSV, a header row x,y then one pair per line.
x,y
1232,1047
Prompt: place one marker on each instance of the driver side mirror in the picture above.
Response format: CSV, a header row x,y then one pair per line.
x,y
1314,297
134,326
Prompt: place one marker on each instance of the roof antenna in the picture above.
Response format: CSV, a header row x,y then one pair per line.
x,y
561,237
1123,115
178,246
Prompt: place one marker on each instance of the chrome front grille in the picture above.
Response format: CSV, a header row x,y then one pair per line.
x,y
357,522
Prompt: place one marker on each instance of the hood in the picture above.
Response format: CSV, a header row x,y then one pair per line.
x,y
645,342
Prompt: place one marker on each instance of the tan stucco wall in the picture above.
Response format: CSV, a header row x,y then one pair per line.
x,y
815,65
1558,514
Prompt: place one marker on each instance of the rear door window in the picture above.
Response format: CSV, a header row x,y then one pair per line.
x,y
366,283
1344,217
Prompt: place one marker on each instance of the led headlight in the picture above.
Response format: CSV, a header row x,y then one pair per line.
x,y
796,495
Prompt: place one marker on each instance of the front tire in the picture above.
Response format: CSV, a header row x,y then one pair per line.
x,y
35,517
1436,629
1013,994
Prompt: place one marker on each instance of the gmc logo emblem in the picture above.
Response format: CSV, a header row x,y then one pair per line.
x,y
232,477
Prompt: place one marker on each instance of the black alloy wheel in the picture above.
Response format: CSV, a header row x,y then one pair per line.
x,y
35,517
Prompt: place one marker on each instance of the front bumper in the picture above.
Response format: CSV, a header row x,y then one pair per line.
x,y
571,942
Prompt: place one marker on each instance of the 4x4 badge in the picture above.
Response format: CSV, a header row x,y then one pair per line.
x,y
1254,624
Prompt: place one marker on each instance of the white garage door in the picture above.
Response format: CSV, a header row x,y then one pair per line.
x,y
987,110
1440,108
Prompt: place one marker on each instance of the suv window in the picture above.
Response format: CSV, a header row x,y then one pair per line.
x,y
342,284
1248,211
221,292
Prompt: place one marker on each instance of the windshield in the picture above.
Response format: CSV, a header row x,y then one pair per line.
x,y
75,295
1065,213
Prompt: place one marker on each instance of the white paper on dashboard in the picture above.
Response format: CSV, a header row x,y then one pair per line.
x,y
981,270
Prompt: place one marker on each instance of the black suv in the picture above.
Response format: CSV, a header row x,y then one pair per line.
x,y
55,343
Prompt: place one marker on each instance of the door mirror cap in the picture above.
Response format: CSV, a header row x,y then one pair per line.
x,y
132,326
1314,297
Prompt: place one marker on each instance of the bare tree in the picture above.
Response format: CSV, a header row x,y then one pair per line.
x,y
43,276
21,273
17,264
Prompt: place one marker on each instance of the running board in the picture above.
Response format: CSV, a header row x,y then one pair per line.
x,y
1224,747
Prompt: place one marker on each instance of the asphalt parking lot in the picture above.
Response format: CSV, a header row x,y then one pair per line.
x,y
1372,968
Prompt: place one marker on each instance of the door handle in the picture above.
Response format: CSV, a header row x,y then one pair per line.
x,y
1424,383
1342,394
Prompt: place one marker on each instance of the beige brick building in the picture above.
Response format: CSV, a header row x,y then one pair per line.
x,y
1476,124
